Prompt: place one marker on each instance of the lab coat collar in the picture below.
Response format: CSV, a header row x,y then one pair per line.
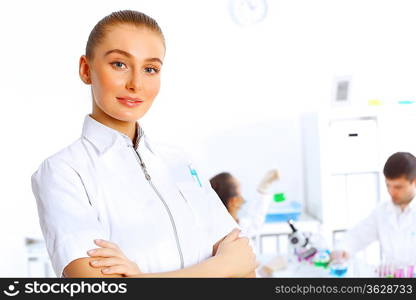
x,y
394,211
104,137
410,207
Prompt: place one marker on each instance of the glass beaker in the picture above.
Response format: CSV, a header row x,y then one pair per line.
x,y
338,268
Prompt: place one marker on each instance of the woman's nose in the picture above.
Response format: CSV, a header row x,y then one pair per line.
x,y
134,83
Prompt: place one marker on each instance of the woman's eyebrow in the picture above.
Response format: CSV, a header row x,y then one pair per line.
x,y
154,59
122,52
125,53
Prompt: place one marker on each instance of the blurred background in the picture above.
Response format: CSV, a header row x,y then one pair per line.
x,y
247,86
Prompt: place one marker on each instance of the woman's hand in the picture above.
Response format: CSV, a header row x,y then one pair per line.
x,y
268,178
236,255
112,259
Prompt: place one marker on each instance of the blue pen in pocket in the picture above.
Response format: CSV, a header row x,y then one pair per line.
x,y
195,175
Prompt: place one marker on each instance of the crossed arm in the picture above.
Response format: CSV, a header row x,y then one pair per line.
x,y
232,257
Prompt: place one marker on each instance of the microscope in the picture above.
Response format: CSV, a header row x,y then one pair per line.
x,y
300,243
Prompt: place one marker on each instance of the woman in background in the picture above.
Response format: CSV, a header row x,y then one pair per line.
x,y
249,215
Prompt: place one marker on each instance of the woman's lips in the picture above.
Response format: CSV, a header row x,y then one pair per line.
x,y
129,102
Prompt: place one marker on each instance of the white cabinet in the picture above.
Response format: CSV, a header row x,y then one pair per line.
x,y
341,167
353,145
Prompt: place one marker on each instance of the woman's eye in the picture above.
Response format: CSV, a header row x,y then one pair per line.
x,y
151,70
119,65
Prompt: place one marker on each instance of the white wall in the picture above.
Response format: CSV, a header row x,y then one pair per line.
x,y
218,79
248,151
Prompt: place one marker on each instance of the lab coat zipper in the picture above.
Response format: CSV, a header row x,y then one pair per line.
x,y
149,179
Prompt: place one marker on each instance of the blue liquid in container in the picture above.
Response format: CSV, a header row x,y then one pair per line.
x,y
339,271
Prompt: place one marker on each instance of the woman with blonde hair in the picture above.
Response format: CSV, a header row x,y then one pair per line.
x,y
115,184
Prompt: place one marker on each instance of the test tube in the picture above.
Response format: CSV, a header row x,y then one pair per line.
x,y
386,271
389,271
410,271
388,268
399,272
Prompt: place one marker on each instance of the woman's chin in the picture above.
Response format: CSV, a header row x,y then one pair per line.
x,y
128,116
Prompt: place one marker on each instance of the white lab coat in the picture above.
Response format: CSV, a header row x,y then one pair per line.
x,y
253,214
96,188
387,224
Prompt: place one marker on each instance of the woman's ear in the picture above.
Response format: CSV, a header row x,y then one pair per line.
x,y
84,70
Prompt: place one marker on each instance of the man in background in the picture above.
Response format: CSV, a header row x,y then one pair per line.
x,y
393,222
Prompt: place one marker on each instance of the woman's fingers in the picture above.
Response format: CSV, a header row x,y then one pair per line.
x,y
117,269
105,244
232,235
105,252
244,240
106,262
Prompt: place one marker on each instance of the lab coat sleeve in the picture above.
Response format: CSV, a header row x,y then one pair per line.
x,y
220,221
361,235
68,221
253,214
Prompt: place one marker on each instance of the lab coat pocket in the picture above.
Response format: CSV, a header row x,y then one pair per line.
x,y
197,201
195,198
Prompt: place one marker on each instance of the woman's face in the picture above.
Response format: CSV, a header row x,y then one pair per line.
x,y
125,72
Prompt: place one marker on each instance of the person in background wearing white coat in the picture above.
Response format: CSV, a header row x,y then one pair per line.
x,y
249,215
392,223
